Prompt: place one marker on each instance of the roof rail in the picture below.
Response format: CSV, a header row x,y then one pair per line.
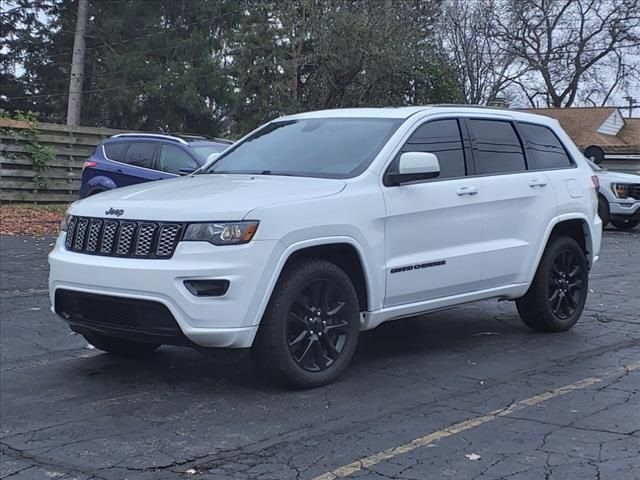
x,y
197,136
152,135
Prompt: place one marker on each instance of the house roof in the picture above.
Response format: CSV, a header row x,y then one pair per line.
x,y
582,124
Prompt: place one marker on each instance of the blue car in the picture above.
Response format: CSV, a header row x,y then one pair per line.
x,y
131,158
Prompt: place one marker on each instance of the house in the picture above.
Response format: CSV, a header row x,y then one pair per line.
x,y
602,133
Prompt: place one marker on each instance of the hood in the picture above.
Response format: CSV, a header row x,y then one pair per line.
x,y
204,197
611,177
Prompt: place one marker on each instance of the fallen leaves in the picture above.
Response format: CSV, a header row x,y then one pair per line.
x,y
36,220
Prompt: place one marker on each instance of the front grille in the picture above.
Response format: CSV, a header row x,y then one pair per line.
x,y
123,238
634,191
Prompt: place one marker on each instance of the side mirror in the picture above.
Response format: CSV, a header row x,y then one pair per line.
x,y
415,166
186,171
212,156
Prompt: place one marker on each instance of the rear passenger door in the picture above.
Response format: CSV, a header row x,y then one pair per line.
x,y
546,152
518,202
433,228
139,164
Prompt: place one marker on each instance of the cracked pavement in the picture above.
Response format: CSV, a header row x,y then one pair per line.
x,y
70,412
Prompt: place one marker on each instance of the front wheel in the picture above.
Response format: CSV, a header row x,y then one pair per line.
x,y
310,329
625,224
559,289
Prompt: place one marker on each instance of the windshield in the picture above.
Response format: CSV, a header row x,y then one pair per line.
x,y
203,151
318,147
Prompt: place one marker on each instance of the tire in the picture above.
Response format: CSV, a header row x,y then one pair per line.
x,y
625,224
603,211
557,295
303,341
120,347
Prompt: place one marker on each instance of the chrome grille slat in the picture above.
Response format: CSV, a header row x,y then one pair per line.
x,y
71,230
94,235
144,239
167,240
125,236
122,238
81,230
108,236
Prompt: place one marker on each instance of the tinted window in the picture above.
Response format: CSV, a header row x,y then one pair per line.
x,y
441,137
173,158
313,147
140,154
543,147
115,151
498,148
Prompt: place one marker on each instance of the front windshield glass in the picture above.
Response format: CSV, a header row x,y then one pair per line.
x,y
203,151
317,147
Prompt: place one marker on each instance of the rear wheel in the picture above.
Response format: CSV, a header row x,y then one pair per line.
x,y
559,289
120,347
310,329
625,224
603,210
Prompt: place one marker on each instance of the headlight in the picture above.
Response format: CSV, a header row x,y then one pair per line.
x,y
620,190
64,223
221,233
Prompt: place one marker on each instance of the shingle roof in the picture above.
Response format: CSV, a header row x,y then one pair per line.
x,y
582,123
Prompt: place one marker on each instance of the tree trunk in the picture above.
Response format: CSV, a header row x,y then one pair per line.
x,y
74,106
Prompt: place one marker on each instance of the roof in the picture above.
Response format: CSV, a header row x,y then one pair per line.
x,y
406,112
582,124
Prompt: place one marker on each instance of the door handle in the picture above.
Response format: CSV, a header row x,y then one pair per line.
x,y
467,191
537,183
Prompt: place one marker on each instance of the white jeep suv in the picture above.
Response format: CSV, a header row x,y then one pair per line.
x,y
320,225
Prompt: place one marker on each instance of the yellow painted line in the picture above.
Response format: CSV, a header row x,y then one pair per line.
x,y
371,460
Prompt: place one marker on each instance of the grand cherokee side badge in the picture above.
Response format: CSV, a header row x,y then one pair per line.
x,y
113,211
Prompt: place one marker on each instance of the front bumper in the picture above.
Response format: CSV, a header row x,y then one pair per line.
x,y
625,209
228,321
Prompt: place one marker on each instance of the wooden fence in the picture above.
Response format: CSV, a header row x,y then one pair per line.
x,y
18,177
72,145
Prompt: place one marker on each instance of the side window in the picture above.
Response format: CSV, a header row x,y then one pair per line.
x,y
115,151
173,158
543,147
498,148
140,154
442,138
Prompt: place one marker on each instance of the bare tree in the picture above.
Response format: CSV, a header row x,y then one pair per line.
x,y
565,44
469,33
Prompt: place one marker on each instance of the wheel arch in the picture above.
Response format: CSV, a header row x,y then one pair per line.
x,y
573,226
345,252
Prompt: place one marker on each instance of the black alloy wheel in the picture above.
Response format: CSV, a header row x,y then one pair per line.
x,y
316,328
557,295
309,332
565,284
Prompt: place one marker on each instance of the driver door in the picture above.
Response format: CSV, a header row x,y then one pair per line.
x,y
433,229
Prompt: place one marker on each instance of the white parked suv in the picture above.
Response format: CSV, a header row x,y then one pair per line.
x,y
618,198
320,225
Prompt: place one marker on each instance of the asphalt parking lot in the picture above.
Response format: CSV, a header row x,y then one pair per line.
x,y
469,393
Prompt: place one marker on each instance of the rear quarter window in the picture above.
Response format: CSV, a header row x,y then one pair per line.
x,y
544,149
115,151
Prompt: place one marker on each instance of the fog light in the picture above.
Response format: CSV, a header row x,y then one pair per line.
x,y
207,288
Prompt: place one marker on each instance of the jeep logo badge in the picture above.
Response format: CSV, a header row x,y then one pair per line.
x,y
113,211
